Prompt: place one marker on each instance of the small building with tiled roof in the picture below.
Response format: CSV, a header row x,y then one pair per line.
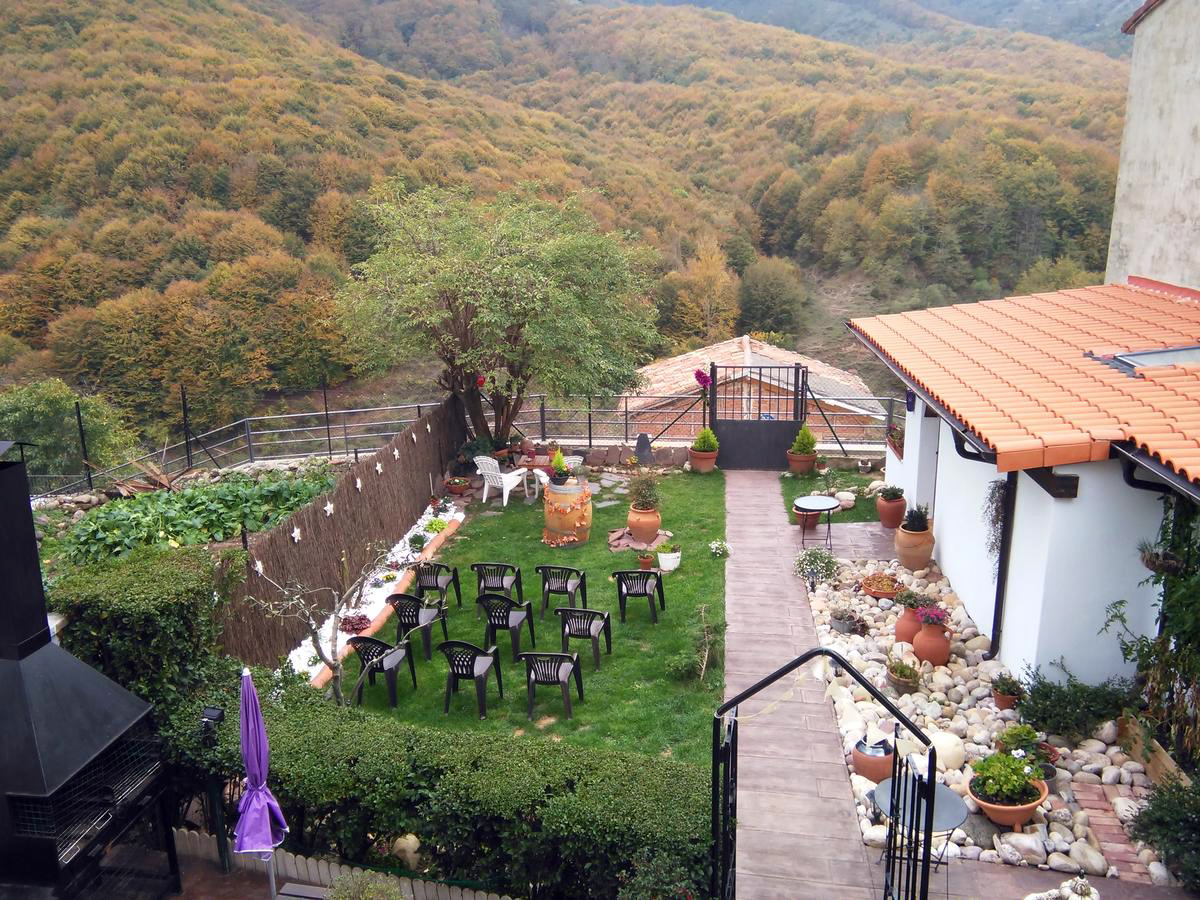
x,y
839,405
1085,406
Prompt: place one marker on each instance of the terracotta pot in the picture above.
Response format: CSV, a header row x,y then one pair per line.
x,y
880,594
872,762
907,626
801,463
806,520
645,563
703,461
1014,817
643,524
932,644
902,686
1004,701
914,549
891,512
458,489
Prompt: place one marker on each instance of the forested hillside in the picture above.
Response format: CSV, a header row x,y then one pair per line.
x,y
183,185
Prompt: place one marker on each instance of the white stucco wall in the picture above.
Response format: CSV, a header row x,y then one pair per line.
x,y
1156,221
958,530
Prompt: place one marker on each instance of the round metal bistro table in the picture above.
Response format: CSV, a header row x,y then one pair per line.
x,y
949,812
819,504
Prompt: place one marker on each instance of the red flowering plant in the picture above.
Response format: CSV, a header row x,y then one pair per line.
x,y
932,615
355,624
703,378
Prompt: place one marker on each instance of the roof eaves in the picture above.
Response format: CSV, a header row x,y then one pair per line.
x,y
1144,10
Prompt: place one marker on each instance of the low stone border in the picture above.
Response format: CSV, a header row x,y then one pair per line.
x,y
322,872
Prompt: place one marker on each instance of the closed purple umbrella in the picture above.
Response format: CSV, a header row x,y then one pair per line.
x,y
260,826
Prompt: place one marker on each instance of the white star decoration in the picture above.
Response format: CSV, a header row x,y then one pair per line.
x,y
329,508
296,534
378,468
358,485
395,453
258,566
428,429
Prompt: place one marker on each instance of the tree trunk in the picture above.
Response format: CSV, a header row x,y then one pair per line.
x,y
473,402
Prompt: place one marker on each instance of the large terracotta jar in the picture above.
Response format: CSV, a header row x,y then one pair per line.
x,y
891,512
914,549
932,644
801,463
907,625
643,524
702,461
1014,817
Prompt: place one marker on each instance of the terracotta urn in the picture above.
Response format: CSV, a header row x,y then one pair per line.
x,y
801,463
907,625
932,644
1014,817
891,512
643,524
914,549
872,761
702,461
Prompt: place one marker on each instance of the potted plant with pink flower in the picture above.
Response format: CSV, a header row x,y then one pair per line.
x,y
932,643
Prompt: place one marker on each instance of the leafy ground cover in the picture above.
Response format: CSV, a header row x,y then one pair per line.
x,y
646,696
802,485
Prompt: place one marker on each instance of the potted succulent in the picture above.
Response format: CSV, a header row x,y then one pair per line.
x,y
907,625
889,505
873,761
914,539
703,453
644,519
822,465
559,473
1007,692
645,560
847,621
881,587
803,455
458,485
1007,788
932,643
901,676
815,564
669,556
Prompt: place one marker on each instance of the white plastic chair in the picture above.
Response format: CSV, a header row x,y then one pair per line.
x,y
540,480
494,478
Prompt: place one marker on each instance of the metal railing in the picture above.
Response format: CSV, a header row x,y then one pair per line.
x,y
858,424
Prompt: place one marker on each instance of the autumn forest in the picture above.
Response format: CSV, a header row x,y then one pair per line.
x,y
186,185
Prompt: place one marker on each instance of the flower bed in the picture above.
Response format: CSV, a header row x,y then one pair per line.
x,y
1095,789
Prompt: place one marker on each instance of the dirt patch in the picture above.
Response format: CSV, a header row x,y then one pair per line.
x,y
545,721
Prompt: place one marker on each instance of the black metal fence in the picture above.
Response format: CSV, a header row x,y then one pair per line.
x,y
907,853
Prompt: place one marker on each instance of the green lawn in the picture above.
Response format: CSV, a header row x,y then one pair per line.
x,y
632,703
802,485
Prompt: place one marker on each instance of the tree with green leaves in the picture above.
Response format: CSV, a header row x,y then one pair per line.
x,y
507,293
43,413
771,297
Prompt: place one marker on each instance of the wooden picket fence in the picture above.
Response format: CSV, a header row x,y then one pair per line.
x,y
319,872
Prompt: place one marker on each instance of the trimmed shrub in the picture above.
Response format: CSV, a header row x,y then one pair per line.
x,y
1170,823
1072,708
146,620
523,816
706,441
805,443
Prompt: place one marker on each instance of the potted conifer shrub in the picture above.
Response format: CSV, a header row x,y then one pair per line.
x,y
703,453
643,519
1007,788
914,539
803,455
889,505
559,473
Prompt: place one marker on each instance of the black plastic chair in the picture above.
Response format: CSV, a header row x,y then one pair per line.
x,y
438,578
552,669
375,656
498,578
565,581
587,624
468,661
504,613
639,583
412,613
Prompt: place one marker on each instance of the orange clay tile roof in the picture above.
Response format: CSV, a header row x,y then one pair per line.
x,y
1017,372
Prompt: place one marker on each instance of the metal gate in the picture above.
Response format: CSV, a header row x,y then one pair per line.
x,y
906,856
755,413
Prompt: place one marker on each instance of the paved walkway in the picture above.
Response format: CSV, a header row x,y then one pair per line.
x,y
797,830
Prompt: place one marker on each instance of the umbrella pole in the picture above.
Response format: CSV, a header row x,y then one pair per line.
x,y
271,874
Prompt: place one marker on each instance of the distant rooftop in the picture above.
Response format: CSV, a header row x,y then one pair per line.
x,y
1041,379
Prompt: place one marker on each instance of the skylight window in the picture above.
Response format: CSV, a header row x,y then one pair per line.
x,y
1169,356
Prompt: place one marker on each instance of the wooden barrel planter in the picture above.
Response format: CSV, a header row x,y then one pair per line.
x,y
568,509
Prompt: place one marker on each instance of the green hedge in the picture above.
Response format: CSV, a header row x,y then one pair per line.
x,y
522,815
146,620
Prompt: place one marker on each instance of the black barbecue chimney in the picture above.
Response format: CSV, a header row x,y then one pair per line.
x,y
76,748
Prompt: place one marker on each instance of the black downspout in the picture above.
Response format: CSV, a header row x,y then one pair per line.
x,y
1006,531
